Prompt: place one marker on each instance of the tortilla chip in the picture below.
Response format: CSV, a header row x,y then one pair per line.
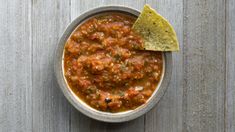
x,y
156,31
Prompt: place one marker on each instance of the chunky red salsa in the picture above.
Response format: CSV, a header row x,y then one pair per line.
x,y
105,67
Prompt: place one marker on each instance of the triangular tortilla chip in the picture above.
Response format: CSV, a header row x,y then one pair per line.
x,y
156,31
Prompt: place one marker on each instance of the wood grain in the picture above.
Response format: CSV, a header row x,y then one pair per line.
x,y
167,115
50,108
230,66
204,65
15,64
200,97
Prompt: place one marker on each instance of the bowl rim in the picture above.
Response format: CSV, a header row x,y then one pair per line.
x,y
72,98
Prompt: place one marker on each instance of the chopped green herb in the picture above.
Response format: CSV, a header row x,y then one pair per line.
x,y
121,93
117,57
123,67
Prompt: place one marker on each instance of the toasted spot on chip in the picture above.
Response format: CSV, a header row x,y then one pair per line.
x,y
156,31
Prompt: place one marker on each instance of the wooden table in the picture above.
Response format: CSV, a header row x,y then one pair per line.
x,y
200,98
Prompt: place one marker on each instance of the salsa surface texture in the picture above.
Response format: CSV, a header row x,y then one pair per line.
x,y
105,66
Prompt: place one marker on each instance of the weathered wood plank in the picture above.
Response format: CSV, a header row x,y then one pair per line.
x,y
50,108
230,66
15,66
204,65
79,122
167,115
138,4
31,101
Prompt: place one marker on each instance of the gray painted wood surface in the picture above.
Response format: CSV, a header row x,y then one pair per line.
x,y
204,58
200,98
230,66
167,115
15,66
50,108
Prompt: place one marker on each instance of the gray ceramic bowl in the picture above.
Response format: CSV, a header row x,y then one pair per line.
x,y
83,107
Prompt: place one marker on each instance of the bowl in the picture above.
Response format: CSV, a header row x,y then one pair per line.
x,y
82,106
